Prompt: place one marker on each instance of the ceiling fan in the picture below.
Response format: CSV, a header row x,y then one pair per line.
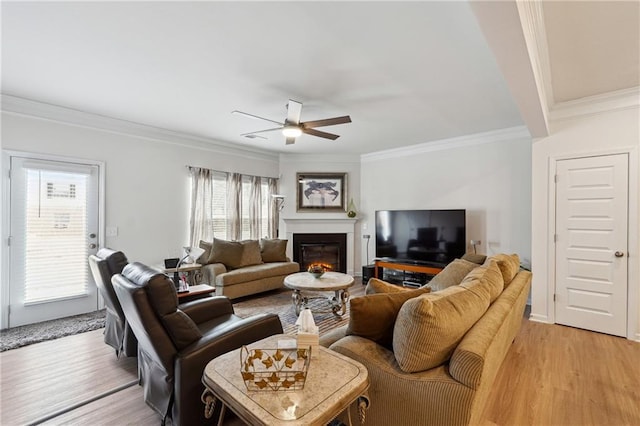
x,y
293,127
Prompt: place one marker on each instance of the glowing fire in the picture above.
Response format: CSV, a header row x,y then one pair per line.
x,y
319,267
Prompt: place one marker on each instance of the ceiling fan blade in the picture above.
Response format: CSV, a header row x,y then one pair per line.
x,y
318,133
291,141
256,117
327,122
294,109
261,131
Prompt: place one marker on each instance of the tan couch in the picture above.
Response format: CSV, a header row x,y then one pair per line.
x,y
242,268
454,391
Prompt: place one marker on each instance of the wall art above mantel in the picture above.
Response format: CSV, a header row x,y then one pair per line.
x,y
321,191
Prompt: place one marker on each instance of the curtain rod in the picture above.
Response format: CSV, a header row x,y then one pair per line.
x,y
221,171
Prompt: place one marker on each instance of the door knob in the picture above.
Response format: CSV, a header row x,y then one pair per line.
x,y
92,246
619,254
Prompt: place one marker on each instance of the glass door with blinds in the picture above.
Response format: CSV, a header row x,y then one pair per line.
x,y
54,228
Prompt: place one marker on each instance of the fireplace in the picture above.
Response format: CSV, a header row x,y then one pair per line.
x,y
329,250
325,225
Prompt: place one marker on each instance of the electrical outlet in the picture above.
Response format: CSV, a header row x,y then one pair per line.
x,y
366,236
475,242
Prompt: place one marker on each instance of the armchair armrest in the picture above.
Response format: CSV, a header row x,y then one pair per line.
x,y
202,310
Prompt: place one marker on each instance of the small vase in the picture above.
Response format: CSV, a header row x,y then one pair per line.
x,y
351,209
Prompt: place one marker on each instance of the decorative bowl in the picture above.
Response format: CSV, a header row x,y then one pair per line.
x,y
316,270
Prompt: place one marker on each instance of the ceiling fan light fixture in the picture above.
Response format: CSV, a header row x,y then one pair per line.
x,y
291,131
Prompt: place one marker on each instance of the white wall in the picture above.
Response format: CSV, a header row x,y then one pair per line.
x,y
292,164
489,177
147,181
593,134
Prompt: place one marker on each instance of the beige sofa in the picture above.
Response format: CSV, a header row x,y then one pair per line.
x,y
242,268
430,375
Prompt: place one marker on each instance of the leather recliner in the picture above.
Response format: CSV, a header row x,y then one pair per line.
x,y
117,332
176,343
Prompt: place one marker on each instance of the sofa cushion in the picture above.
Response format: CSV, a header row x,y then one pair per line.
x,y
273,250
428,328
452,274
489,276
257,272
229,253
235,254
250,253
373,316
375,286
509,265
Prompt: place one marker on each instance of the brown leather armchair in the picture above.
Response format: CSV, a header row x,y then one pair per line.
x,y
176,343
117,332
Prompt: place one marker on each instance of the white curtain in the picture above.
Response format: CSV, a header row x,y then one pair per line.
x,y
201,206
234,206
217,206
255,207
273,213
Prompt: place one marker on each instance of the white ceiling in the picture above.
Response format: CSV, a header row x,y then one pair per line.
x,y
406,73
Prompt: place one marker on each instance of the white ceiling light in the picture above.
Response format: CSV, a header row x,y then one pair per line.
x,y
291,131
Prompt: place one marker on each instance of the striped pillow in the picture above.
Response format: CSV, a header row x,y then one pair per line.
x,y
428,328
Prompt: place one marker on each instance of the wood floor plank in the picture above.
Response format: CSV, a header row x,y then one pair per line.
x,y
48,376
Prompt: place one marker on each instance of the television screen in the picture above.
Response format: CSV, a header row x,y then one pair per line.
x,y
429,236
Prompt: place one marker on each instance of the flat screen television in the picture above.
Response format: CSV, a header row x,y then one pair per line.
x,y
420,236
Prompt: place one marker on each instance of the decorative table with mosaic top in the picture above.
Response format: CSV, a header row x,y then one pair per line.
x,y
333,382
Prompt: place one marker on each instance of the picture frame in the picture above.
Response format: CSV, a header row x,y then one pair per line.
x,y
321,191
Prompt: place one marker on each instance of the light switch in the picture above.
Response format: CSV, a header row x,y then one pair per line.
x,y
112,231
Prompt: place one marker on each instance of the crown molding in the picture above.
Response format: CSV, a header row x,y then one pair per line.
x,y
44,111
320,158
597,104
532,21
508,134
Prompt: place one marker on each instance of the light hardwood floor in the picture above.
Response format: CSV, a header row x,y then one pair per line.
x,y
552,375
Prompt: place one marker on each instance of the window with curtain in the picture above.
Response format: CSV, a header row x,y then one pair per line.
x,y
231,206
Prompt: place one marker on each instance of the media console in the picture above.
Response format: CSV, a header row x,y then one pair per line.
x,y
413,268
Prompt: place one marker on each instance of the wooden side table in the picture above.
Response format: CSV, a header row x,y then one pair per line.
x,y
333,383
195,292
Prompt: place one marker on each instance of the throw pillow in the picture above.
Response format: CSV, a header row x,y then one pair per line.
x,y
488,276
375,286
228,253
509,265
373,316
250,253
428,328
273,250
452,274
204,257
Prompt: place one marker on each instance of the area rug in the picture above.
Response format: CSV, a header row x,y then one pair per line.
x,y
276,301
279,302
48,330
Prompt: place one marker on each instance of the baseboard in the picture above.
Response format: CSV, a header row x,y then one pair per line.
x,y
540,318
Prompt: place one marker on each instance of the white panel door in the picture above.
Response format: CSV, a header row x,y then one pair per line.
x,y
54,228
591,243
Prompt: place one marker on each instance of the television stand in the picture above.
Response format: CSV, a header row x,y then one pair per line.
x,y
410,267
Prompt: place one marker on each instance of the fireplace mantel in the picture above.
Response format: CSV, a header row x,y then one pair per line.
x,y
323,226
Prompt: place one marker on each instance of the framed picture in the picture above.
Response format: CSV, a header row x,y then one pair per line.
x,y
321,191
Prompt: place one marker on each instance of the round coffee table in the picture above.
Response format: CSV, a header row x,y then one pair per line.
x,y
329,281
